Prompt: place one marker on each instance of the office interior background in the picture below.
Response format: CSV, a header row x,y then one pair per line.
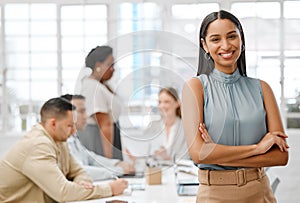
x,y
43,45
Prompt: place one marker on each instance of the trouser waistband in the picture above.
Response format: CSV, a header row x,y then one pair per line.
x,y
238,177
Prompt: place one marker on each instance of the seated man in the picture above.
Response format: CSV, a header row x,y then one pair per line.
x,y
39,167
97,166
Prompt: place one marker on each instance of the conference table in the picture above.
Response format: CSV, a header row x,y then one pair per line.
x,y
140,192
184,173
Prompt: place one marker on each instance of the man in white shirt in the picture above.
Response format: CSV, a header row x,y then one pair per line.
x,y
97,166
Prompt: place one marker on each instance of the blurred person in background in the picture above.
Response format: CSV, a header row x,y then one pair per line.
x,y
97,166
166,136
102,133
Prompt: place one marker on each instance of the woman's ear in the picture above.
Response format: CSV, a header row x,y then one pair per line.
x,y
204,45
98,67
177,104
98,64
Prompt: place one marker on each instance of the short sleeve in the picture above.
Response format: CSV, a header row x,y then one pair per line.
x,y
95,96
100,100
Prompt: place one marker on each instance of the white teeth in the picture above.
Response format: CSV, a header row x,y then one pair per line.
x,y
227,55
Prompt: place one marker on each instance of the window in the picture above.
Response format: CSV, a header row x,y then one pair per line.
x,y
292,74
83,27
265,66
291,25
193,11
268,69
31,51
30,59
264,10
261,25
133,17
136,57
138,16
291,9
44,54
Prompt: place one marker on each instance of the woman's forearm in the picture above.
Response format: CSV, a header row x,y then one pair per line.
x,y
212,153
107,139
274,157
217,153
106,133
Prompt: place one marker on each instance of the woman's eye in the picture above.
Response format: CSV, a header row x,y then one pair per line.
x,y
214,39
232,36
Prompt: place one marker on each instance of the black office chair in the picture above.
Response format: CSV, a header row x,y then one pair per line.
x,y
117,145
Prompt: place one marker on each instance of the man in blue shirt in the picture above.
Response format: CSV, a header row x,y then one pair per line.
x,y
97,166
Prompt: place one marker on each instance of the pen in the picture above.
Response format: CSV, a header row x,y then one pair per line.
x,y
115,177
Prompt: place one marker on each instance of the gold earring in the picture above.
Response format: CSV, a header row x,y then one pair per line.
x,y
98,69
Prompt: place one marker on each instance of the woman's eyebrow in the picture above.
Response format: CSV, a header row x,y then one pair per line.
x,y
216,35
233,31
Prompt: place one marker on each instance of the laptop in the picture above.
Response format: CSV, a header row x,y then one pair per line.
x,y
187,187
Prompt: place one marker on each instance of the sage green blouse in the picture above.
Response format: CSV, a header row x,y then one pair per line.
x,y
234,112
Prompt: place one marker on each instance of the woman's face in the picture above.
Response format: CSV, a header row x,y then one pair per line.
x,y
167,104
223,42
107,67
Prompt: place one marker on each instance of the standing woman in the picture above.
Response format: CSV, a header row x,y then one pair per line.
x,y
102,134
243,131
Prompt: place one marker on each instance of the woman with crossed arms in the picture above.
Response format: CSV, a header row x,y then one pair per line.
x,y
243,131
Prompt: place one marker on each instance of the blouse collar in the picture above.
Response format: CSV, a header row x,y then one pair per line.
x,y
224,77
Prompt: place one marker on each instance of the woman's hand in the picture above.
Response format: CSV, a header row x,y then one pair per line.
x,y
270,139
263,146
127,167
204,134
130,156
162,152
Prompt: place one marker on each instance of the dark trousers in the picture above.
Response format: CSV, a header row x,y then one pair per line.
x,y
90,138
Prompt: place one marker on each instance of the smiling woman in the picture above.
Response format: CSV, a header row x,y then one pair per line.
x,y
243,131
173,144
223,44
164,138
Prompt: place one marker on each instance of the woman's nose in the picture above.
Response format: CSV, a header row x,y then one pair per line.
x,y
225,44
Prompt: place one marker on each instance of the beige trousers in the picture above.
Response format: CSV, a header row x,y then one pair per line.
x,y
256,191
